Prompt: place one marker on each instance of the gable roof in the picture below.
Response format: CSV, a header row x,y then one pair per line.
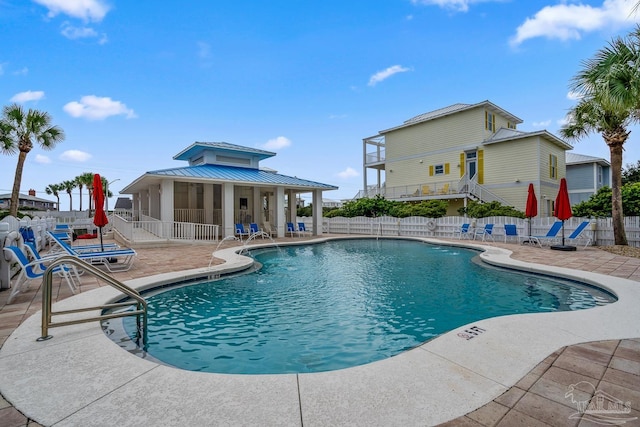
x,y
453,109
198,147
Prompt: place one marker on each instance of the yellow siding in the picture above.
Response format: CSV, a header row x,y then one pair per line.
x,y
437,141
506,162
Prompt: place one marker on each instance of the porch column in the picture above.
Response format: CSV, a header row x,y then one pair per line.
x,y
278,212
317,212
256,204
228,221
154,201
207,203
166,200
291,196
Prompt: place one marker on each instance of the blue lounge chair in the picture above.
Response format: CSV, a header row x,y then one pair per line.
x,y
550,237
32,270
302,229
486,232
241,232
511,232
292,229
463,232
254,229
575,236
120,259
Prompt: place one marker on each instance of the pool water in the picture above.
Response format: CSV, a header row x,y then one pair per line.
x,y
340,304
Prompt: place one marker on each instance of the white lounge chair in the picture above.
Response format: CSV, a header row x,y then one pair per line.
x,y
120,259
33,270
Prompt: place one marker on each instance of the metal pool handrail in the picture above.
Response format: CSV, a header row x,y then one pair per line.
x,y
47,313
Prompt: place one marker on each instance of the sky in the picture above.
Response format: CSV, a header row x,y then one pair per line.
x,y
133,83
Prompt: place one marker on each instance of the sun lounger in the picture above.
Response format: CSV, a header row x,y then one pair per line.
x,y
120,259
241,232
577,234
463,232
33,270
550,237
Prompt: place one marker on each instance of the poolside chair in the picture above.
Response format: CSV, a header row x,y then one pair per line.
x,y
463,232
511,232
34,255
445,189
119,259
240,231
292,229
550,237
426,190
576,235
302,229
254,229
32,270
486,232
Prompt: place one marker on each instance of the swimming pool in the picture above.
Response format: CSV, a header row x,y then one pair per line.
x,y
339,304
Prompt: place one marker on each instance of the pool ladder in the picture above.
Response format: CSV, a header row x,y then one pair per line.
x,y
140,310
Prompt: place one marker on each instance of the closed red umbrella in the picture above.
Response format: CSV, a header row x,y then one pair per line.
x,y
100,217
563,210
531,209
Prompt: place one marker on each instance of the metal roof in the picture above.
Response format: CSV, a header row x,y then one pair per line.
x,y
236,174
575,158
505,135
452,109
198,147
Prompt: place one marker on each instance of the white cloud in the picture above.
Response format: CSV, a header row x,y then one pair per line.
x,y
564,121
43,160
21,72
92,107
541,124
87,10
337,116
455,5
277,143
75,156
385,74
349,172
568,21
27,96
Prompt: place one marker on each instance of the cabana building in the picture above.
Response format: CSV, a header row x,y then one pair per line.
x,y
224,184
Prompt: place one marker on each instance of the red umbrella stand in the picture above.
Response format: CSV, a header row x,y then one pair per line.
x,y
563,212
531,209
100,217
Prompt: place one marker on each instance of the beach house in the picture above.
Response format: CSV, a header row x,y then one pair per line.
x,y
464,152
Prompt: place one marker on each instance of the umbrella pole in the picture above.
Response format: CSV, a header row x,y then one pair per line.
x,y
563,232
102,245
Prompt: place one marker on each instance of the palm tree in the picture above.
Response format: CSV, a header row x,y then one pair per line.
x,y
84,180
55,190
68,186
609,85
17,133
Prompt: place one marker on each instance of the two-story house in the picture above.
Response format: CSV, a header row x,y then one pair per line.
x,y
224,184
464,152
586,175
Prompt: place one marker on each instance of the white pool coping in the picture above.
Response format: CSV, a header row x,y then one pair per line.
x,y
80,377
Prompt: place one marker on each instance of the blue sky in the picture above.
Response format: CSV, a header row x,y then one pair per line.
x,y
132,83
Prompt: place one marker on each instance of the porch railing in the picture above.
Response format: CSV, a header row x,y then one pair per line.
x,y
155,230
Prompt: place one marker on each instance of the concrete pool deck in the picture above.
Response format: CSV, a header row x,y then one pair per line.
x,y
517,369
